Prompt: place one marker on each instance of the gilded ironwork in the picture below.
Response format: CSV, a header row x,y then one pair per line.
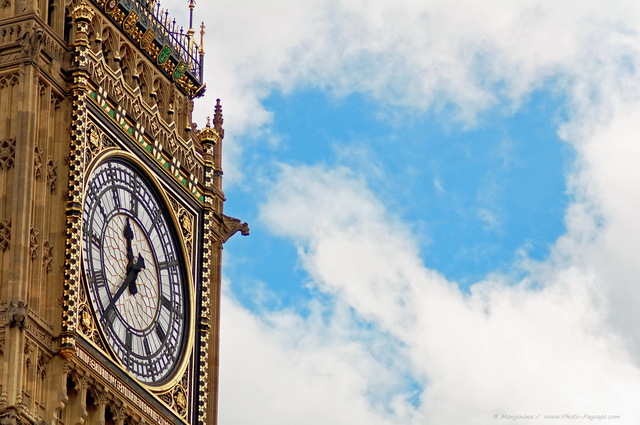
x,y
173,49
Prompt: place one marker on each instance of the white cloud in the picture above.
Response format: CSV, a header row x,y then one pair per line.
x,y
286,369
461,57
508,347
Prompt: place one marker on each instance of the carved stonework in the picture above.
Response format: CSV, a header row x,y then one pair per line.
x,y
47,255
5,234
7,153
30,38
9,418
34,235
42,362
52,175
8,80
232,226
18,314
37,162
31,41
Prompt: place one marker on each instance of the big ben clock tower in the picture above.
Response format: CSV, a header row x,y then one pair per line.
x,y
111,217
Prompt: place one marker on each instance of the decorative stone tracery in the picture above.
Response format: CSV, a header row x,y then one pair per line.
x,y
5,234
7,153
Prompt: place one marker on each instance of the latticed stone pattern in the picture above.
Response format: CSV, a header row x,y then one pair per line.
x,y
7,153
5,234
74,200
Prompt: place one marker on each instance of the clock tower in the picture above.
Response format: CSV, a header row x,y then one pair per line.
x,y
111,217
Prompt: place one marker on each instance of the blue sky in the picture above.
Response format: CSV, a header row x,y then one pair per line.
x,y
459,189
443,206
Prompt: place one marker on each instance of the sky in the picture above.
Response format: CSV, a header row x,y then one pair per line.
x,y
443,200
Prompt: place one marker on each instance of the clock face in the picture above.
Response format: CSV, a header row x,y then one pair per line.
x,y
136,281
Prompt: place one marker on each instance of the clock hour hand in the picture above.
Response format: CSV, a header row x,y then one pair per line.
x,y
136,266
129,282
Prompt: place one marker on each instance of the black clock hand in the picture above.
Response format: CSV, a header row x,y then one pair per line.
x,y
128,234
136,266
139,265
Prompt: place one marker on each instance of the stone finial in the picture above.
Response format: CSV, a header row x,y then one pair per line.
x,y
82,14
217,119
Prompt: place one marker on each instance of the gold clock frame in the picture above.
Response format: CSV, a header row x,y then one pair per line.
x,y
164,201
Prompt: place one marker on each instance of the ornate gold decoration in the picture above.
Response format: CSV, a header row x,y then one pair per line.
x,y
176,60
98,141
130,21
120,102
82,12
164,55
85,321
98,73
147,39
94,140
110,6
180,400
179,70
86,324
186,223
82,15
209,133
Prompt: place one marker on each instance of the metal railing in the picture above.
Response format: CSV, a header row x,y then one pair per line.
x,y
168,32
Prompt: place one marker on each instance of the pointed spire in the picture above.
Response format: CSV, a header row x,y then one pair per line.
x,y
202,27
192,5
217,119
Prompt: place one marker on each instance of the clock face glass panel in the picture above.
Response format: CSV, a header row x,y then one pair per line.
x,y
132,267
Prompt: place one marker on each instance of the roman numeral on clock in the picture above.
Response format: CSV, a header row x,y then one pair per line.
x,y
127,346
98,279
167,264
109,317
160,332
171,306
